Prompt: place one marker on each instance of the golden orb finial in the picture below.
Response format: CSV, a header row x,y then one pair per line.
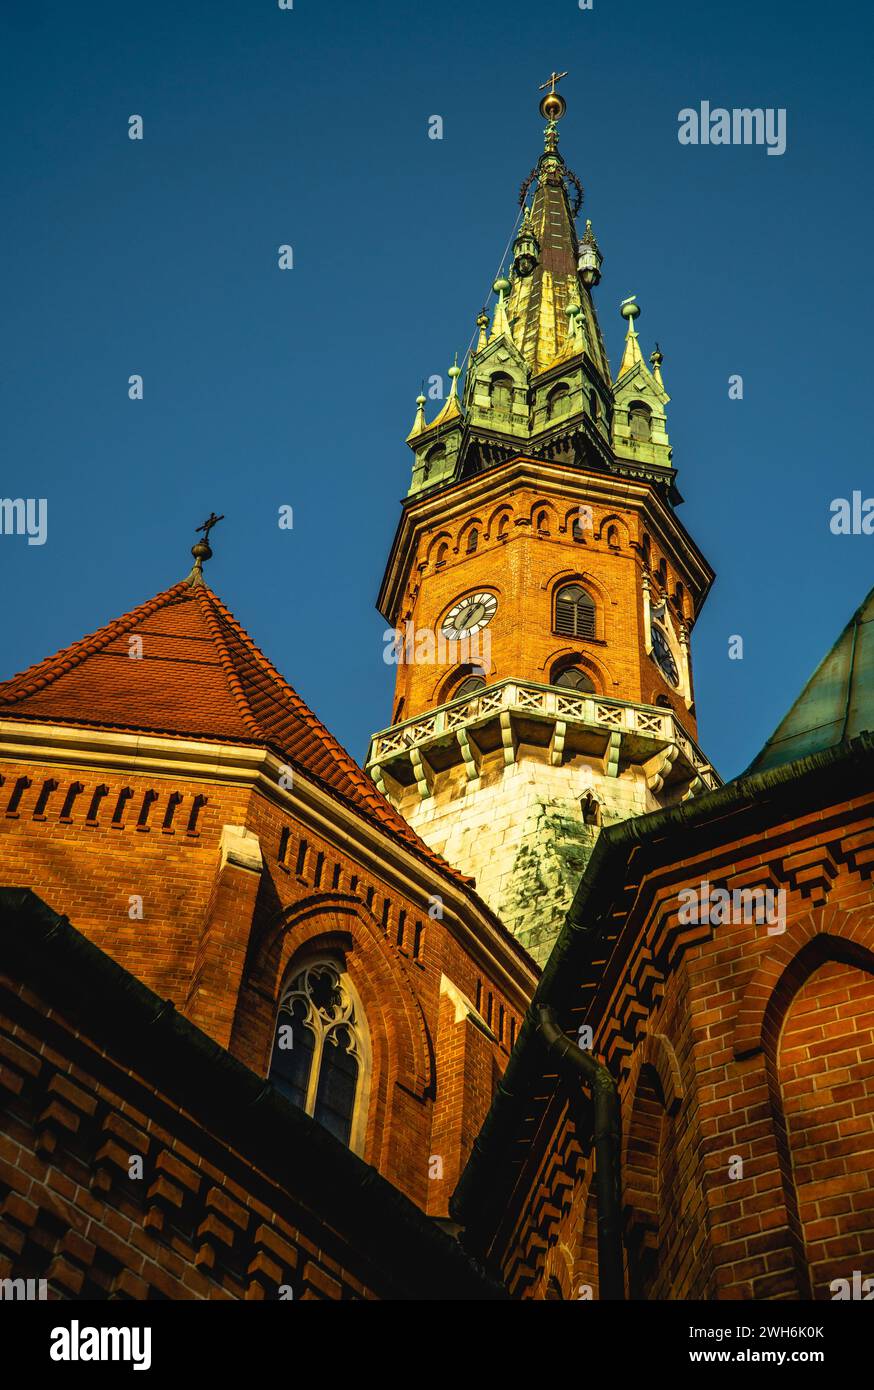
x,y
553,105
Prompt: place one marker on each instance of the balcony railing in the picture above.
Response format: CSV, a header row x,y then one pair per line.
x,y
631,732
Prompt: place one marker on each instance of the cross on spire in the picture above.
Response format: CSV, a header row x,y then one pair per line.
x,y
552,106
206,527
201,549
551,81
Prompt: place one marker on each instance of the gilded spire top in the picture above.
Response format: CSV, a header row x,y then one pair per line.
x,y
553,105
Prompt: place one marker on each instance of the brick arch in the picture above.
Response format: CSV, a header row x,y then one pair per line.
x,y
551,516
472,523
399,1035
434,544
590,663
613,519
656,1052
572,515
442,691
642,1143
584,577
557,1274
793,1031
838,935
496,517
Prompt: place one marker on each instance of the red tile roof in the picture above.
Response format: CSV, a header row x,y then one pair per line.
x,y
201,676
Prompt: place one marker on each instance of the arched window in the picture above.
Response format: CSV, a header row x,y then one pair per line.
x,y
434,456
542,524
320,1049
503,527
594,405
574,611
573,678
662,573
578,530
663,702
442,552
501,392
469,686
558,402
640,420
646,550
472,540
613,537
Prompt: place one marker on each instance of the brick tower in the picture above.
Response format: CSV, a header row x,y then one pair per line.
x,y
541,585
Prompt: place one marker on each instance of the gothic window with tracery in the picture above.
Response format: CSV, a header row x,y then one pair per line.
x,y
320,1056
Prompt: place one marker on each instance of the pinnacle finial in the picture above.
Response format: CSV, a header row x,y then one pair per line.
x,y
630,310
591,260
419,422
482,323
552,108
201,549
656,359
500,323
455,373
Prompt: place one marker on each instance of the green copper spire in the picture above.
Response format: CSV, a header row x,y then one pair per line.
x,y
837,702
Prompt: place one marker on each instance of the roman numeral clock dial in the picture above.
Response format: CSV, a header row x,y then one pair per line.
x,y
663,655
469,615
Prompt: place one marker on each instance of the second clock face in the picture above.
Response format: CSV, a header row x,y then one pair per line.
x,y
469,615
664,656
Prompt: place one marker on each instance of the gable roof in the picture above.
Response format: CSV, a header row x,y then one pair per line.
x,y
200,676
837,702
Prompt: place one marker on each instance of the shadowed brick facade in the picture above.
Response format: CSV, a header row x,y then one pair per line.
x,y
741,1042
191,817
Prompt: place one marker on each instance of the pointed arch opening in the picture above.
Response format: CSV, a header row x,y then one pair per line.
x,y
321,1048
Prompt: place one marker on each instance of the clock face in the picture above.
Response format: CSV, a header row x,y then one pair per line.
x,y
469,615
664,656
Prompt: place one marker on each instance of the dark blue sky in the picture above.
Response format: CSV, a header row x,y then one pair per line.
x,y
265,388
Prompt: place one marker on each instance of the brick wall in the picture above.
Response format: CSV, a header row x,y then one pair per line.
x,y
220,940
746,1078
521,563
128,1175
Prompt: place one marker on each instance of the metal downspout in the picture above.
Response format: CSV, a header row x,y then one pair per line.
x,y
605,1100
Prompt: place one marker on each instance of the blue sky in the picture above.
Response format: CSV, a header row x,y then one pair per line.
x,y
264,388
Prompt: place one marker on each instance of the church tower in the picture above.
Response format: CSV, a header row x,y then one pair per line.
x,y
541,586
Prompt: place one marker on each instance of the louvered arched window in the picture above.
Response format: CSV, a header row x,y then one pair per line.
x,y
321,1049
574,611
